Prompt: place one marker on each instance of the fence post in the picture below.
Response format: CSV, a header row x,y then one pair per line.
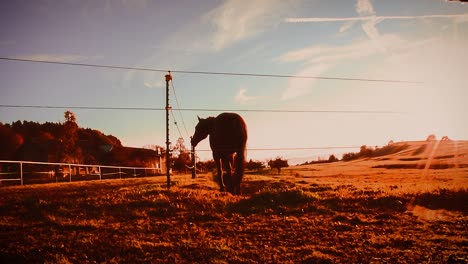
x,y
70,171
120,173
21,172
100,173
134,172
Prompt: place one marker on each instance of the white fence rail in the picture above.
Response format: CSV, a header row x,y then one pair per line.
x,y
31,172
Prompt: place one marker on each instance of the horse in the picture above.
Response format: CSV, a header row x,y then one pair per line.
x,y
228,138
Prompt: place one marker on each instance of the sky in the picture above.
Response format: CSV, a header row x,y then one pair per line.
x,y
419,44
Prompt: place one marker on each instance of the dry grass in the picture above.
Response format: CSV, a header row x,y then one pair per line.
x,y
325,213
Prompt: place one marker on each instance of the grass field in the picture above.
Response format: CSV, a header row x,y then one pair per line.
x,y
344,212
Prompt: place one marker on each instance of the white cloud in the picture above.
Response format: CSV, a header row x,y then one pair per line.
x,y
333,54
364,7
302,86
369,19
456,18
242,97
57,57
235,21
370,28
347,25
319,59
153,84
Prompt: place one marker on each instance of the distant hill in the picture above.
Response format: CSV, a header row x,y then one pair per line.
x,y
434,154
66,142
431,153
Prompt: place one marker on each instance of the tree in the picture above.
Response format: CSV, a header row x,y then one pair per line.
x,y
332,158
254,165
10,142
181,162
349,156
70,117
179,148
278,163
182,157
208,165
365,151
69,151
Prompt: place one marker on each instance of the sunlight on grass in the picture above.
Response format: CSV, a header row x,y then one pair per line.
x,y
341,212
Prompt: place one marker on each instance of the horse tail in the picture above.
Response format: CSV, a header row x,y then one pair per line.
x,y
240,156
243,151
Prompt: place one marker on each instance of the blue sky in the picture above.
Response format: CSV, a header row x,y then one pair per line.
x,y
419,40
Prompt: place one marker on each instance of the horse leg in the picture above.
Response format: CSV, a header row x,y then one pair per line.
x,y
227,175
239,172
219,172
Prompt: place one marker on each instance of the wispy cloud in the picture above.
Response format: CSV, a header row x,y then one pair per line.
x,y
346,26
154,83
235,21
462,1
57,57
299,87
242,97
369,19
319,59
331,54
457,17
364,7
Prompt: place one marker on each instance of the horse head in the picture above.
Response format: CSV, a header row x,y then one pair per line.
x,y
202,130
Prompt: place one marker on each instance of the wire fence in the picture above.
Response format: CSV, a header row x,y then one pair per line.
x,y
30,172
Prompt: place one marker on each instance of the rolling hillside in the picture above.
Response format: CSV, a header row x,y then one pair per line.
x,y
417,165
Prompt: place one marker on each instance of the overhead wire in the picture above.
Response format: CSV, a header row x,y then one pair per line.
x,y
83,107
175,123
207,109
207,72
179,108
293,148
200,109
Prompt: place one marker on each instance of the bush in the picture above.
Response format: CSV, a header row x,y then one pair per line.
x,y
278,163
254,165
369,152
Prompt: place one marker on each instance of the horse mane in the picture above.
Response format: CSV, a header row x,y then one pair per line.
x,y
210,123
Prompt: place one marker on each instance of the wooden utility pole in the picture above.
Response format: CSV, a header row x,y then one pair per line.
x,y
194,162
168,156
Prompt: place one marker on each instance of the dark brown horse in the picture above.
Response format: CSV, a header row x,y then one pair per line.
x,y
228,138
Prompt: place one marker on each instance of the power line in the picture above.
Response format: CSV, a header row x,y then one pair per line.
x,y
290,111
180,112
288,149
207,72
83,64
201,109
83,107
175,123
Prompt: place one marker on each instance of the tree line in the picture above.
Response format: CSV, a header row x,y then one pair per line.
x,y
66,142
